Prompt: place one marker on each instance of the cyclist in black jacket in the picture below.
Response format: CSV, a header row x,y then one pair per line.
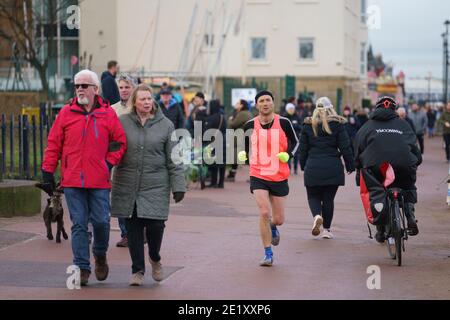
x,y
387,138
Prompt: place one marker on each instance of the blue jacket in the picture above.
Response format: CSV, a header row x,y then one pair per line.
x,y
110,91
174,113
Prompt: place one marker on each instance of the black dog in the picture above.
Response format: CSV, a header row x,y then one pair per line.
x,y
54,213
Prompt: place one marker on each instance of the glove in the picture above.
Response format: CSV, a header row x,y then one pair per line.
x,y
48,184
178,196
242,156
283,156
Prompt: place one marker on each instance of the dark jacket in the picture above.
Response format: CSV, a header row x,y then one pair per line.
x,y
296,122
110,91
445,117
362,119
198,114
351,126
431,115
386,138
174,113
216,121
320,157
407,119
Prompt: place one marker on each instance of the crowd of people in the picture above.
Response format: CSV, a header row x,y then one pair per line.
x,y
116,160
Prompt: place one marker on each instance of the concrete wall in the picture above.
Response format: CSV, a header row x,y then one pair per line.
x,y
151,34
98,32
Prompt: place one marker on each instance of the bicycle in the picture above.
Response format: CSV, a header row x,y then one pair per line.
x,y
396,230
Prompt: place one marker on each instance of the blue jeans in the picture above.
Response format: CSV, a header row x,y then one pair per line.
x,y
88,205
123,227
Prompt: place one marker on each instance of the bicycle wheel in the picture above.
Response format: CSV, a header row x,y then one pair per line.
x,y
398,233
390,243
390,240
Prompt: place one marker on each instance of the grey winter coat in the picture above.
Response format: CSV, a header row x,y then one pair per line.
x,y
146,174
420,121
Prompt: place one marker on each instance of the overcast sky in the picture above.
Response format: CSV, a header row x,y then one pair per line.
x,y
410,35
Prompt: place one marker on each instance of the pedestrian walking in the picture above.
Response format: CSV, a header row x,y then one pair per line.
x,y
171,108
110,91
126,86
237,121
351,124
324,140
431,115
292,115
402,115
216,121
81,138
444,120
144,180
420,121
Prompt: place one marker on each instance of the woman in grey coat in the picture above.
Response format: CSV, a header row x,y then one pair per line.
x,y
144,179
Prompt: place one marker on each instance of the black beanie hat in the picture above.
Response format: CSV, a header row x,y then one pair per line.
x,y
263,93
200,95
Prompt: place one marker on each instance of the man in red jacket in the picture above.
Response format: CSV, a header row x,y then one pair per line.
x,y
89,140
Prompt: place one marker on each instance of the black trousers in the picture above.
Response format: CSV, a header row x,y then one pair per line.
x,y
135,232
217,170
421,144
321,201
405,179
447,145
295,160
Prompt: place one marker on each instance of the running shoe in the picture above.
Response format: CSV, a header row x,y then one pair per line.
x,y
267,261
318,221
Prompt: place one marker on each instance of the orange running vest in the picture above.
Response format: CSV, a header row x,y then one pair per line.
x,y
266,144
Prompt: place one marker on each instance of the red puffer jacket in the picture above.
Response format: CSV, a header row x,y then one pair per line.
x,y
82,141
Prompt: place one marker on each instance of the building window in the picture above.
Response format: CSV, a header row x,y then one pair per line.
x,y
306,49
209,40
258,48
363,11
363,59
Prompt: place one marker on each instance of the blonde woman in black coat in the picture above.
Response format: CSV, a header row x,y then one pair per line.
x,y
323,142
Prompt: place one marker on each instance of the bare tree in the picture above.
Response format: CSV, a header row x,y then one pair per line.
x,y
33,31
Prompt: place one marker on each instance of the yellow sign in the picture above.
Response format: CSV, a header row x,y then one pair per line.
x,y
387,88
30,112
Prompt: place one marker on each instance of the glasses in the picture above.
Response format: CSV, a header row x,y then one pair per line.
x,y
84,85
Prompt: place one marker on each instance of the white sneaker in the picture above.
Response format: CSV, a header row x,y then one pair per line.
x,y
327,234
318,221
157,271
137,279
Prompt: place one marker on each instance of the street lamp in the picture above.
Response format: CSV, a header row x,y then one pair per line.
x,y
446,62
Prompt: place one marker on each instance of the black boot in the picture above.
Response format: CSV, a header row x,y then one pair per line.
x,y
380,236
413,229
231,177
213,171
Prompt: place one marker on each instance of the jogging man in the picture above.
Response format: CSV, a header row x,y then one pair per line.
x,y
273,141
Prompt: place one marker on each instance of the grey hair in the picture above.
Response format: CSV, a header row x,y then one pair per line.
x,y
401,110
89,73
128,79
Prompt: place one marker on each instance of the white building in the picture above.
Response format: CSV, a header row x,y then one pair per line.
x,y
237,42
